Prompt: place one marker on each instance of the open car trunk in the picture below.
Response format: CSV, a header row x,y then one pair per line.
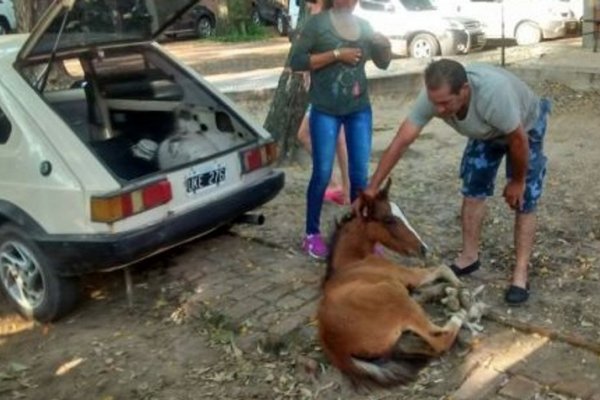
x,y
139,112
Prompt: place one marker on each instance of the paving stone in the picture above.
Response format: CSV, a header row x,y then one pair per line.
x,y
276,293
309,293
249,343
244,308
211,292
308,310
270,318
287,325
579,388
520,388
480,385
249,289
555,363
290,302
595,396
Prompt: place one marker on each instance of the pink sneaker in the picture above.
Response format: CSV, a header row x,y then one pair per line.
x,y
378,250
315,246
335,196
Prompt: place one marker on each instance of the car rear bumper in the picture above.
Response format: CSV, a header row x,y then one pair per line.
x,y
78,254
554,29
458,41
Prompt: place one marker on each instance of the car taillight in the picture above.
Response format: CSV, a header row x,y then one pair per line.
x,y
258,157
116,207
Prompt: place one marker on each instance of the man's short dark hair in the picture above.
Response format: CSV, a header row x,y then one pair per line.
x,y
445,71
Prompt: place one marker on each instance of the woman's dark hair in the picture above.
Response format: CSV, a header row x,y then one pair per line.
x,y
444,71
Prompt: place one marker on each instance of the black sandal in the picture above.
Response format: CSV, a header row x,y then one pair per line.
x,y
516,295
469,269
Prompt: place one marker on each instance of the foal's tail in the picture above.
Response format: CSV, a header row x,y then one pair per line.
x,y
397,370
400,366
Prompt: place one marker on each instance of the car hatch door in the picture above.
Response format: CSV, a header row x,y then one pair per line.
x,y
79,25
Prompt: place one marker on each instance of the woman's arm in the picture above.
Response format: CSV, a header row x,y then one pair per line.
x,y
348,55
381,51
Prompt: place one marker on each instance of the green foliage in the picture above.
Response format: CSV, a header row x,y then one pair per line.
x,y
246,32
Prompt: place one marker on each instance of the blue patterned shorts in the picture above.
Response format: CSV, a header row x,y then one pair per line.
x,y
482,158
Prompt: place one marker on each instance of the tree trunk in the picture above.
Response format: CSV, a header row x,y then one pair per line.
x,y
233,16
289,104
28,12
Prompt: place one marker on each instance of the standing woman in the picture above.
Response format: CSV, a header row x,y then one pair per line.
x,y
334,46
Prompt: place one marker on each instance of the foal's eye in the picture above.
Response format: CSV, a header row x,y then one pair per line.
x,y
391,220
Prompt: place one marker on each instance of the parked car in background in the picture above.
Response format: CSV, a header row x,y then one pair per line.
x,y
200,21
525,21
8,22
272,12
128,154
576,7
417,29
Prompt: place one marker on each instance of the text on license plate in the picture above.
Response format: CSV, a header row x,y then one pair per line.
x,y
197,181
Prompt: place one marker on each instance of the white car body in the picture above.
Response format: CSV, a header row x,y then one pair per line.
x,y
405,22
82,186
526,21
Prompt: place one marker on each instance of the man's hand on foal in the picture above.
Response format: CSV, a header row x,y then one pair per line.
x,y
513,194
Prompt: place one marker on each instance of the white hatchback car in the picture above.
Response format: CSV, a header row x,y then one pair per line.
x,y
111,150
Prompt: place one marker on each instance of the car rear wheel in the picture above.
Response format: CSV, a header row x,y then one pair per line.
x,y
424,46
528,33
281,24
28,279
255,17
204,27
3,28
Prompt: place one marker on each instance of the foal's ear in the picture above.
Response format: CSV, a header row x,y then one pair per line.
x,y
365,205
383,193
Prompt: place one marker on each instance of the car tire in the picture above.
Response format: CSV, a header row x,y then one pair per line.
x,y
281,24
528,33
204,27
255,17
424,45
29,281
4,29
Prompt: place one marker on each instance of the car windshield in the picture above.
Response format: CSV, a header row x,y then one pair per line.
x,y
417,5
100,22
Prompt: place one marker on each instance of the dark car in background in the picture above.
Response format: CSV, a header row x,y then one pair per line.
x,y
199,21
271,12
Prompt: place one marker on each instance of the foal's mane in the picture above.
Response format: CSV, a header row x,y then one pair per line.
x,y
335,237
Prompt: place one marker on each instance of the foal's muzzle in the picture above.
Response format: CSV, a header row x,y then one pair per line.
x,y
423,250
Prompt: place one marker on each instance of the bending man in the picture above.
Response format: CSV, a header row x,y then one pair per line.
x,y
501,116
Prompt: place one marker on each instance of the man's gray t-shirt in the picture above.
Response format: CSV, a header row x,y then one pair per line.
x,y
499,103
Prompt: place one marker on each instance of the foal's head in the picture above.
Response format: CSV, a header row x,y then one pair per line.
x,y
379,222
385,223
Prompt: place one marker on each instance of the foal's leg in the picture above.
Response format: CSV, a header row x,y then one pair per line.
x,y
416,277
439,338
429,293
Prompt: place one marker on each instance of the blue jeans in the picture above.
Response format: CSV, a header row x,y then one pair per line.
x,y
482,158
324,130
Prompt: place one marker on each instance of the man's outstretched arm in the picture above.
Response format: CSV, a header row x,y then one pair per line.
x,y
407,133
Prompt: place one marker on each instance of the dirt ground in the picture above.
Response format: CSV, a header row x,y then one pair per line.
x,y
108,351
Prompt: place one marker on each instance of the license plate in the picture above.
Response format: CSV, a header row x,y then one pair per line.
x,y
197,180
